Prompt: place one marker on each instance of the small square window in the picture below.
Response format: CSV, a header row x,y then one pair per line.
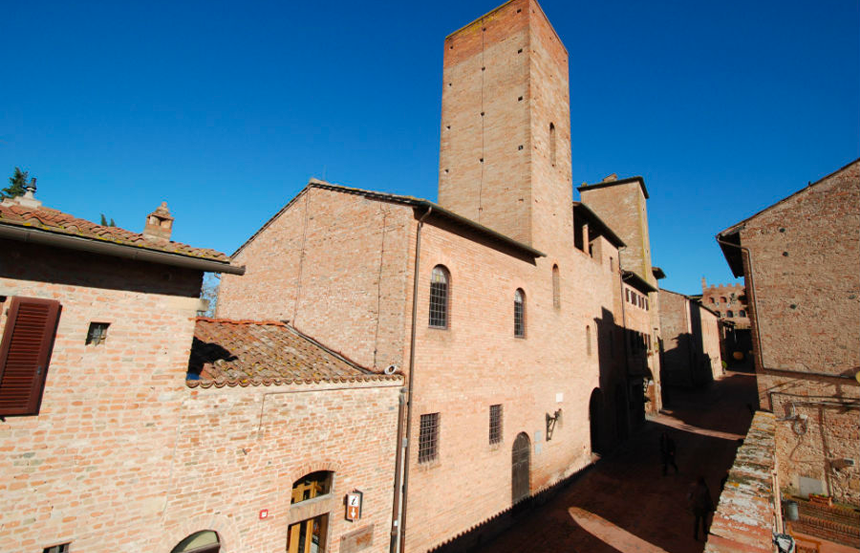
x,y
97,334
62,548
428,438
495,424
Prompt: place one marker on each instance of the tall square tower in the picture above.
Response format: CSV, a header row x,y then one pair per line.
x,y
505,149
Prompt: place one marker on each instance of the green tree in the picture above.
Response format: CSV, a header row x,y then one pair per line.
x,y
104,222
17,182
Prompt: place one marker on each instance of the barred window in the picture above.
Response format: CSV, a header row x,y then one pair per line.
x,y
519,314
428,438
439,297
495,424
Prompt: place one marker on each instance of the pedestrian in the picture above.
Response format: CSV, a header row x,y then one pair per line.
x,y
667,452
702,505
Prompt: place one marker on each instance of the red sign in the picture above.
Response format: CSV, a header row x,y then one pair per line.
x,y
264,514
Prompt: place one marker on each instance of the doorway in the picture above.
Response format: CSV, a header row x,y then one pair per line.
x,y
595,414
308,536
520,467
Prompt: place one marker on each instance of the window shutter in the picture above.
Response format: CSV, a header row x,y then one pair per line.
x,y
25,353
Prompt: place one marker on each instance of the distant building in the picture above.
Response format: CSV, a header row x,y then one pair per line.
x,y
800,258
691,341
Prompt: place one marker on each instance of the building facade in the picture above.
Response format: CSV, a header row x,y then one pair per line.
x,y
799,260
503,304
691,341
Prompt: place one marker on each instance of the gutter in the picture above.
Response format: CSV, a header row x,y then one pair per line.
x,y
400,541
30,235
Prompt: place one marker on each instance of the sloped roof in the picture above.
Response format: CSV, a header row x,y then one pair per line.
x,y
48,222
435,210
243,353
586,213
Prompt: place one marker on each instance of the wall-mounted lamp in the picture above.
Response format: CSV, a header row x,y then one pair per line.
x,y
551,421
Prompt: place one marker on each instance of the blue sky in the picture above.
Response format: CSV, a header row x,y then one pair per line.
x,y
225,109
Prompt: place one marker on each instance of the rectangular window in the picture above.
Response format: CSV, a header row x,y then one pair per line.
x,y
62,548
428,438
25,353
495,424
97,334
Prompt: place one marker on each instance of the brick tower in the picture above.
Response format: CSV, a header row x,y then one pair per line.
x,y
505,150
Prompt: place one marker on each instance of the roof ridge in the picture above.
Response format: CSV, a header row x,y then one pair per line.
x,y
240,321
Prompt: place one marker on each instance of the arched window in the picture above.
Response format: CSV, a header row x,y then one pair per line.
x,y
552,144
556,287
439,297
742,313
311,485
519,313
730,313
711,300
199,542
723,299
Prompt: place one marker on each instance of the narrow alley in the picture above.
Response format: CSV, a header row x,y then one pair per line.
x,y
624,503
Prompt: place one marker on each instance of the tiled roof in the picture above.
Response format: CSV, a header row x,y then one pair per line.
x,y
243,353
56,222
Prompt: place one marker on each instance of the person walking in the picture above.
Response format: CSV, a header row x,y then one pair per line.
x,y
667,452
702,505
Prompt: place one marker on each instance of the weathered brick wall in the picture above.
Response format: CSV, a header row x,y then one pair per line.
x,y
805,306
94,466
691,341
239,451
334,265
724,298
745,516
711,341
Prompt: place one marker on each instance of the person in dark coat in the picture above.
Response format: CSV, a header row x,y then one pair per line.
x,y
667,452
702,505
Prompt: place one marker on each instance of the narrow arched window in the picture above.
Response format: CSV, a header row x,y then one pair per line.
x,y
730,313
556,287
552,144
742,313
439,297
519,313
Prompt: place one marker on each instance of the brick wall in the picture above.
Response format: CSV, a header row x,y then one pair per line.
x,y
96,460
805,304
335,265
745,515
723,298
691,341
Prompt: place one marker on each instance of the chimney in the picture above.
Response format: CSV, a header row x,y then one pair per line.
x,y
611,178
29,197
159,224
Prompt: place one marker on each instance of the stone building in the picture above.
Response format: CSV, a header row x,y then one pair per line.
x,y
799,259
729,301
106,441
504,304
691,341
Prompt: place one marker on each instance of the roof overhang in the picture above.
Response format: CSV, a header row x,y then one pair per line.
x,y
45,238
637,282
628,180
586,213
730,243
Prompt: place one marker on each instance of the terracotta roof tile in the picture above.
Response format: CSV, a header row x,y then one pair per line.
x,y
57,222
243,353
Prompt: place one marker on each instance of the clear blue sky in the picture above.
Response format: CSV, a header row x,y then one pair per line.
x,y
225,109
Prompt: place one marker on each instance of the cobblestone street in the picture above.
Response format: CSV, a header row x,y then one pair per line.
x,y
623,503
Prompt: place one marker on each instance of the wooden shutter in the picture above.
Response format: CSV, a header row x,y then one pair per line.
x,y
25,353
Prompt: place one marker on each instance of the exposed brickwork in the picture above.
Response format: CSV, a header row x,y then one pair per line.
x,y
725,299
691,341
805,304
745,516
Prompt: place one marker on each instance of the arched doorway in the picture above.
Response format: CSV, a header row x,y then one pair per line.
x,y
520,467
595,414
206,541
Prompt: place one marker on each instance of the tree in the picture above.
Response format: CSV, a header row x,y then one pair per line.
x,y
17,182
104,221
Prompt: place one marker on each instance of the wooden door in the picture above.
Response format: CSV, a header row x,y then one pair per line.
x,y
308,536
520,466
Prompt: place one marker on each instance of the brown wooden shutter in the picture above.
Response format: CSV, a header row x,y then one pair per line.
x,y
25,353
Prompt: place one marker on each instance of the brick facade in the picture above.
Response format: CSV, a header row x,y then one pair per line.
x,y
729,301
691,341
800,263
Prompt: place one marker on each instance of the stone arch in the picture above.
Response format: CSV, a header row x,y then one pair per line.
x,y
228,534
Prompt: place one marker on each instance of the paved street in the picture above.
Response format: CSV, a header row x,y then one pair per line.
x,y
624,503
